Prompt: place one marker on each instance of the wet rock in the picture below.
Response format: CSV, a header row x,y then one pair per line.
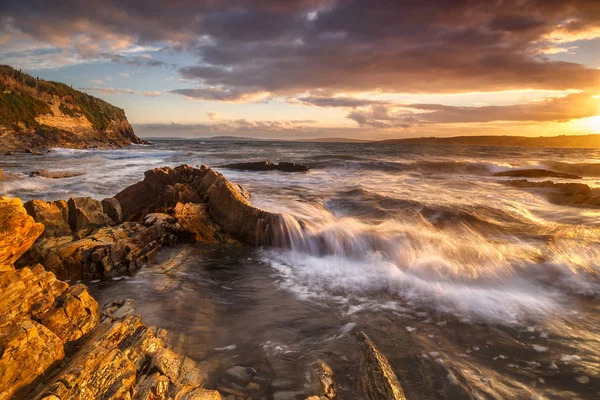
x,y
44,173
536,173
379,380
27,349
53,214
266,166
18,231
33,152
112,208
163,220
85,212
240,374
571,194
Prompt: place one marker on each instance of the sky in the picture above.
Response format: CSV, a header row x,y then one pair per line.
x,y
376,69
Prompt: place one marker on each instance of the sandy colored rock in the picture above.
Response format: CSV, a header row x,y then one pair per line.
x,y
52,214
18,231
123,358
44,173
379,380
194,219
27,349
77,315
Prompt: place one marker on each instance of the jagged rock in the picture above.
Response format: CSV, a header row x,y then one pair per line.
x,y
27,349
44,173
194,218
379,380
266,166
124,357
28,293
53,214
18,231
85,212
109,251
164,221
112,208
77,315
163,188
236,215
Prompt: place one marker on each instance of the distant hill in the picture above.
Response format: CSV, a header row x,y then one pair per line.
x,y
36,114
575,141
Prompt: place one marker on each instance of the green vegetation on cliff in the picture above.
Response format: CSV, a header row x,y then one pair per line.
x,y
23,98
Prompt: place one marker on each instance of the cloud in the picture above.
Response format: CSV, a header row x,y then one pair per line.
x,y
554,109
112,91
300,46
256,128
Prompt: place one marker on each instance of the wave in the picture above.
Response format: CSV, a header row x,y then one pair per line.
x,y
463,272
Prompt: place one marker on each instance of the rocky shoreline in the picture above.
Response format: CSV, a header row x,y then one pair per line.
x,y
56,343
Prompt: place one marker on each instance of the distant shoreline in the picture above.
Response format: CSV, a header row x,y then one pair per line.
x,y
562,141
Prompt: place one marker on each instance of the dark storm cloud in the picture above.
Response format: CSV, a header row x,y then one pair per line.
x,y
294,47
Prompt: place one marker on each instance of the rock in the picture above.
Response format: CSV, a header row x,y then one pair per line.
x,y
240,374
33,152
266,166
568,194
227,206
77,315
85,212
53,214
112,208
321,381
164,221
27,349
28,293
44,173
194,218
124,357
379,380
109,251
536,173
18,231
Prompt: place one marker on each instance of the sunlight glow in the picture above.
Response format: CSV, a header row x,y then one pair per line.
x,y
594,123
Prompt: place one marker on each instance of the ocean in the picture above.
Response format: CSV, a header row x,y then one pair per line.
x,y
471,286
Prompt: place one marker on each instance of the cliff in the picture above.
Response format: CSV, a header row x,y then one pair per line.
x,y
38,114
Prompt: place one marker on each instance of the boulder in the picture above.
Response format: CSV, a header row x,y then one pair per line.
x,y
18,231
53,214
567,194
379,380
112,208
85,212
266,166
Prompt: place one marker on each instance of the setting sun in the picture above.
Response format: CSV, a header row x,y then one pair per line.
x,y
594,123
